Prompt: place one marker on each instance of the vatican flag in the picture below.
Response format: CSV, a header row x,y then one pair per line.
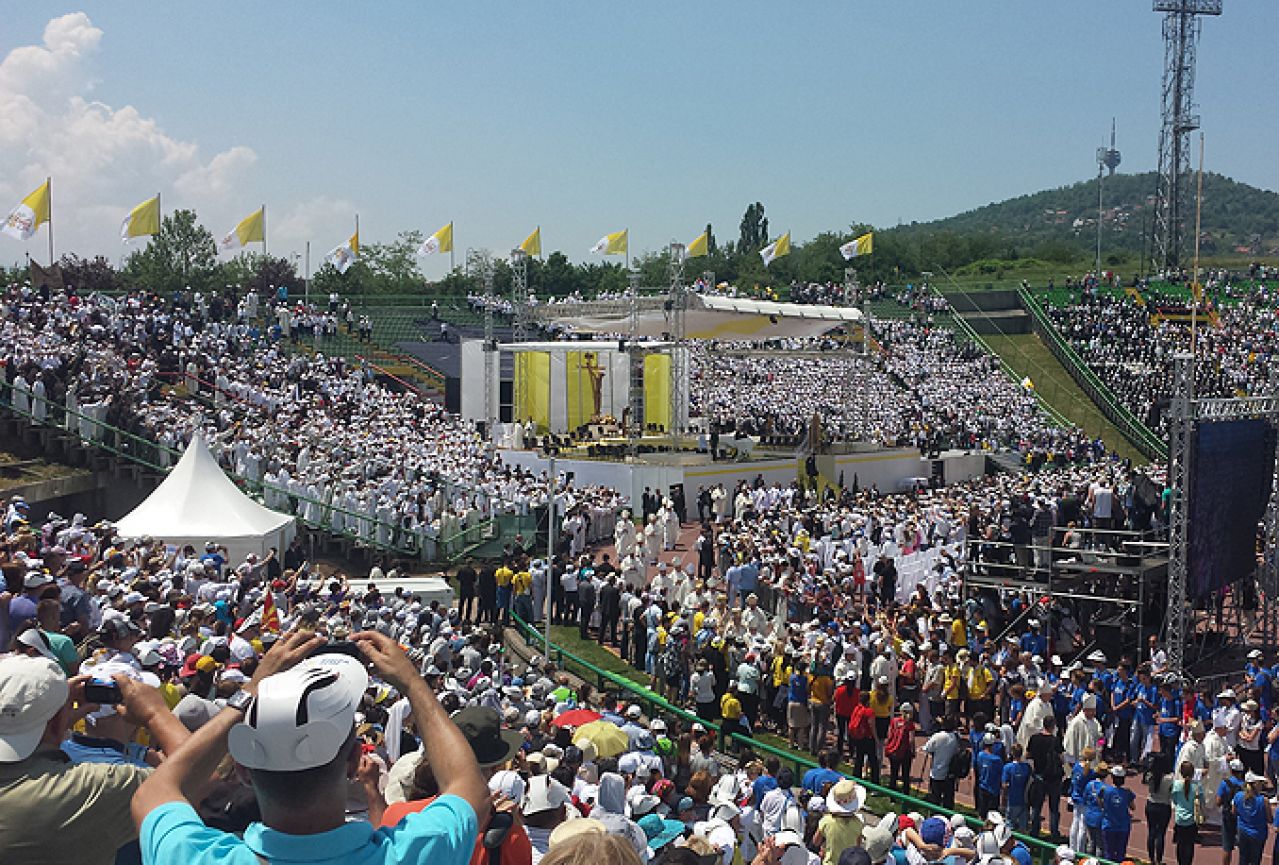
x,y
863,245
342,257
776,249
697,247
29,215
532,244
441,241
251,229
611,244
142,221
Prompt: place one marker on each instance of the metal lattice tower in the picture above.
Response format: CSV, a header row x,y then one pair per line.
x,y
519,294
1177,622
679,352
635,363
1172,197
480,266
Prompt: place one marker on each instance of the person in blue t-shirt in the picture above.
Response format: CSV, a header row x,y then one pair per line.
x,y
1016,778
1144,696
1080,776
1252,811
989,769
1117,805
816,779
1094,844
1168,717
1124,709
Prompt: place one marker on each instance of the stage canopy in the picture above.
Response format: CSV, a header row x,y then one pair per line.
x,y
198,503
708,316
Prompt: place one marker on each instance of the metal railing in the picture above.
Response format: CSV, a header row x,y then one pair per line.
x,y
1141,436
1044,851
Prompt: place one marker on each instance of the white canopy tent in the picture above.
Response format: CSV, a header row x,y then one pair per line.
x,y
198,503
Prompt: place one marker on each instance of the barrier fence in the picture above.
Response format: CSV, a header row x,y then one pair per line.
x,y
1142,437
1043,851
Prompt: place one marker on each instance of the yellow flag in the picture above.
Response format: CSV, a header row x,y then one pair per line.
x,y
441,241
29,215
776,249
142,221
251,229
611,244
532,244
863,245
698,246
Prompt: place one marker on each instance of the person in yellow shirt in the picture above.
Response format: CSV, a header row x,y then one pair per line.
x,y
952,677
730,710
504,575
821,696
958,632
981,689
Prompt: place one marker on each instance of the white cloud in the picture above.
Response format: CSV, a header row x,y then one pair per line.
x,y
103,160
324,220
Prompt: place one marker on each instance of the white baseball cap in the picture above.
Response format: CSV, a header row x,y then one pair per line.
x,y
301,717
32,690
792,846
545,794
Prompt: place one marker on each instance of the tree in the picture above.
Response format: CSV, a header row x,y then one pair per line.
x,y
184,254
88,275
264,273
754,229
711,246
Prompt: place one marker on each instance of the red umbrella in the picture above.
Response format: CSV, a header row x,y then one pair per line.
x,y
576,718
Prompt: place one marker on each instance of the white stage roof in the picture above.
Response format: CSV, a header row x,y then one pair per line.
x,y
709,316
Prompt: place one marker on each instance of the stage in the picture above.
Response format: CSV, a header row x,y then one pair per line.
x,y
889,469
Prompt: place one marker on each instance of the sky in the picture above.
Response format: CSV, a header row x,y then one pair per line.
x,y
586,118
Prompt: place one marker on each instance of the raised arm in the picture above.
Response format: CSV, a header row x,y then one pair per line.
x,y
447,750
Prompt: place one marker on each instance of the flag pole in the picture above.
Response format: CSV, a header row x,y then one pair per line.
x,y
264,231
48,181
451,245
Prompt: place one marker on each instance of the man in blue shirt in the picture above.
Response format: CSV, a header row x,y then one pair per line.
x,y
295,733
989,768
815,780
1016,778
1144,696
1168,717
1117,805
1124,709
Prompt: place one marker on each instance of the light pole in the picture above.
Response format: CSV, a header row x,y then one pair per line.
x,y
550,545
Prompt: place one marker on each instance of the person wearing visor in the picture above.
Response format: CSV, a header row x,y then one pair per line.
x,y
293,734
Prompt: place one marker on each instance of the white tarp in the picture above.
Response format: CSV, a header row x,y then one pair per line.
x,y
708,316
198,503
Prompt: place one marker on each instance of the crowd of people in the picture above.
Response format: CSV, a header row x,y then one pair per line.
x,y
273,710
921,388
318,436
1131,343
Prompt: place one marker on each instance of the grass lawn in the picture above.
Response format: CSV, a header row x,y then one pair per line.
x,y
1028,356
588,650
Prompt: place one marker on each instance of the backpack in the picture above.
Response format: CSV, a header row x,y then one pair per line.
x,y
961,764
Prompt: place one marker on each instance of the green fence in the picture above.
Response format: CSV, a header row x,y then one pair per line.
x,y
1043,851
1141,436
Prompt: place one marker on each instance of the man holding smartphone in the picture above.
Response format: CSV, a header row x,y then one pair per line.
x,y
53,809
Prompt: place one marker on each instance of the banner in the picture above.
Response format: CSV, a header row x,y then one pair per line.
x,y
657,390
532,388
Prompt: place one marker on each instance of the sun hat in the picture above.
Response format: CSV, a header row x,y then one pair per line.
x,y
792,846
482,728
544,794
34,638
878,839
32,690
659,831
572,828
846,797
301,717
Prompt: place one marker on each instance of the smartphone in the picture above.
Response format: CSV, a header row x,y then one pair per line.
x,y
103,692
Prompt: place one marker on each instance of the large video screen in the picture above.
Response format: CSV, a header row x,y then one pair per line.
x,y
1230,486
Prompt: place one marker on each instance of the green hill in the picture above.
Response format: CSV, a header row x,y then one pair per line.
x,y
1059,224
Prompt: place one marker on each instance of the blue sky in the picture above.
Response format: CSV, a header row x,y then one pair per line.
x,y
586,118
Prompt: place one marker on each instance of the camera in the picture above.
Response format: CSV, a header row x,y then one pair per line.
x,y
103,691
